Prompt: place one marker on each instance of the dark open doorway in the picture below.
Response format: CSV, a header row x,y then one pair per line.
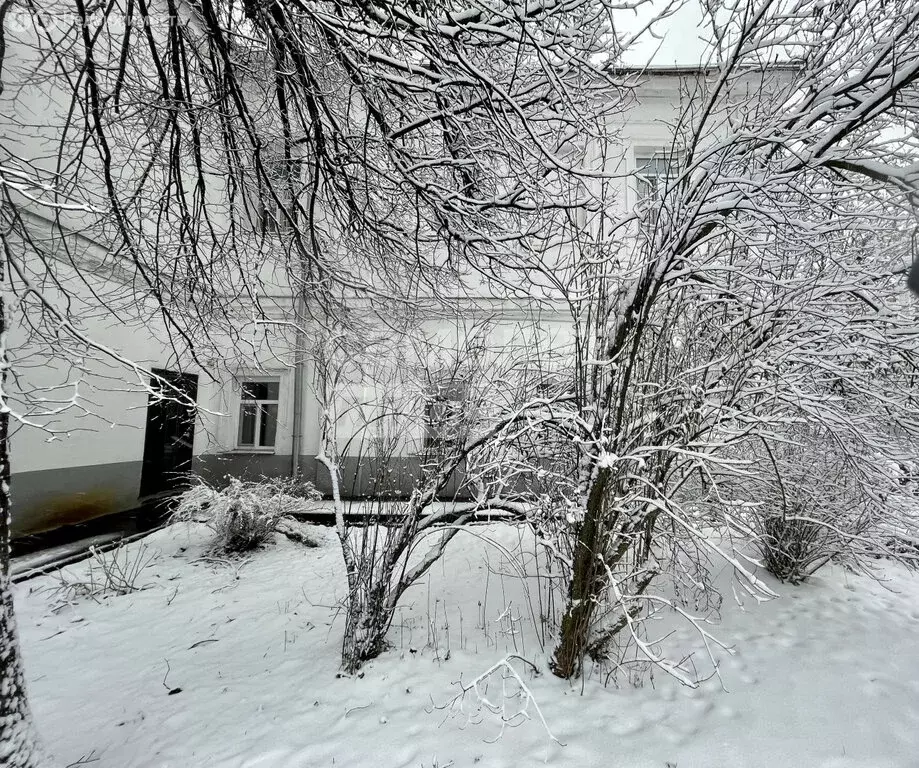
x,y
170,432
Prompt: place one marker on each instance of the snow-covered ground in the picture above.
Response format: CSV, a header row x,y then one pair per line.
x,y
221,665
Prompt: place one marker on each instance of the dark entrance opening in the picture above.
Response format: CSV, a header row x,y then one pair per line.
x,y
170,432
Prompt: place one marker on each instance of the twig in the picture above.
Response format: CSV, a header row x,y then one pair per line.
x,y
479,686
354,709
203,642
84,760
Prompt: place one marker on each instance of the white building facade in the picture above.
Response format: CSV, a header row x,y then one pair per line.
x,y
105,441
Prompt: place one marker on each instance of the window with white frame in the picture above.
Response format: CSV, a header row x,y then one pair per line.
x,y
279,216
653,172
271,202
446,418
258,413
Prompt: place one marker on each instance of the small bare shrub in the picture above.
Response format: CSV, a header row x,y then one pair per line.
x,y
116,572
244,514
510,701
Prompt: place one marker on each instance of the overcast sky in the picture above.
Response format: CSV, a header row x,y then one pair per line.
x,y
678,38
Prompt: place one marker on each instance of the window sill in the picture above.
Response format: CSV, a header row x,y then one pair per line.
x,y
252,449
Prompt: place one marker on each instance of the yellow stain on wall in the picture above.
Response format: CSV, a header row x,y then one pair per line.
x,y
65,509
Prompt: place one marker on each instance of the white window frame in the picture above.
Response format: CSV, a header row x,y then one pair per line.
x,y
644,156
267,216
254,447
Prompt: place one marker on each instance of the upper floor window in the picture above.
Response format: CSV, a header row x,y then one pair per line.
x,y
258,413
654,170
271,200
279,216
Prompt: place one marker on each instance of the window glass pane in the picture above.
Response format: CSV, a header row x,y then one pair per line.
x,y
271,390
646,187
654,172
656,166
252,390
260,390
269,426
247,424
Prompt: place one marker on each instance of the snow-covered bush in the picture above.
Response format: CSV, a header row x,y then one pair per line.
x,y
814,495
815,504
244,514
794,547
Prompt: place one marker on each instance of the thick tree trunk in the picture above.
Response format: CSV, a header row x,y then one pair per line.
x,y
364,640
18,745
587,582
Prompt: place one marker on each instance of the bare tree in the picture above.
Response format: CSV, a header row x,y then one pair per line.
x,y
382,151
448,406
761,288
